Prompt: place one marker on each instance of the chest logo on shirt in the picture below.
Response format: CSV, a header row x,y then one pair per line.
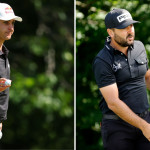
x,y
117,66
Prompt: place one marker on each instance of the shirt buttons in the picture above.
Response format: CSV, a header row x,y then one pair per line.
x,y
121,53
126,59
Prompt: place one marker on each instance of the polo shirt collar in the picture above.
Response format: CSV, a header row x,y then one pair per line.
x,y
4,51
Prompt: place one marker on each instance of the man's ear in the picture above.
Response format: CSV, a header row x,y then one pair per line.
x,y
110,32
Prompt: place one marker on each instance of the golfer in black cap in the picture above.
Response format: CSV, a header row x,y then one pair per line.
x,y
121,73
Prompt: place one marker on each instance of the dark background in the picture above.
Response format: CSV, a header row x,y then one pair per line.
x,y
41,113
90,38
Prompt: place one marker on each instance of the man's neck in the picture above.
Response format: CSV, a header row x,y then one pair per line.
x,y
118,47
1,45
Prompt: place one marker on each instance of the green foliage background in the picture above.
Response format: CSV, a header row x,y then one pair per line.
x,y
90,38
41,113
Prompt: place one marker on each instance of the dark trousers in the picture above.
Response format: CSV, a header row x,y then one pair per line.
x,y
119,135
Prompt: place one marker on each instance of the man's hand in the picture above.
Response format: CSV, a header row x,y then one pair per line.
x,y
146,130
2,84
1,126
1,134
147,79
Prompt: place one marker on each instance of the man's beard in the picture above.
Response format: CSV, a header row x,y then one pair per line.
x,y
122,42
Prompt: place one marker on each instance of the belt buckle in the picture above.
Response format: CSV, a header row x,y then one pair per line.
x,y
143,114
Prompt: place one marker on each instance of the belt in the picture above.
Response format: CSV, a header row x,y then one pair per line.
x,y
115,117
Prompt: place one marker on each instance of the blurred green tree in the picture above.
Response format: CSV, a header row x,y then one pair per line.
x,y
90,37
41,113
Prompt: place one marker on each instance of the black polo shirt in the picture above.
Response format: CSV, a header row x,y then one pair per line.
x,y
4,73
128,72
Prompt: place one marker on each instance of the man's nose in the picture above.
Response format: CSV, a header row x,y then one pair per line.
x,y
11,27
130,28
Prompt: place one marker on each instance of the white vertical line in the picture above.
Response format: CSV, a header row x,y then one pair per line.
x,y
74,74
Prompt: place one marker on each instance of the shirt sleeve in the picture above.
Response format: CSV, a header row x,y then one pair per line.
x,y
103,72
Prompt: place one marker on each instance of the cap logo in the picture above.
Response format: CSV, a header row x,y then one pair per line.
x,y
124,17
8,10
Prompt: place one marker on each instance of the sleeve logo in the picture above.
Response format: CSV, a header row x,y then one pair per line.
x,y
116,67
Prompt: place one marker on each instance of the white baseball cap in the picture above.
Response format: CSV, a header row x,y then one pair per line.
x,y
7,13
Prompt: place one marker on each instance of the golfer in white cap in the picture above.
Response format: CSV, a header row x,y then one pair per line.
x,y
7,20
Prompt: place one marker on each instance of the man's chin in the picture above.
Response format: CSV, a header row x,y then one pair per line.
x,y
130,42
7,38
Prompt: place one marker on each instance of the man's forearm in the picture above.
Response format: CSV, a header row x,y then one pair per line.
x,y
126,114
110,94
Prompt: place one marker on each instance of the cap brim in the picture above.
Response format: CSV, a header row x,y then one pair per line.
x,y
126,24
17,18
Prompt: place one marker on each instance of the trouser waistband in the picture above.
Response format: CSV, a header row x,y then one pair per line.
x,y
115,117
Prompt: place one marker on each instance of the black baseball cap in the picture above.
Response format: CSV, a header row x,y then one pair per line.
x,y
119,19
